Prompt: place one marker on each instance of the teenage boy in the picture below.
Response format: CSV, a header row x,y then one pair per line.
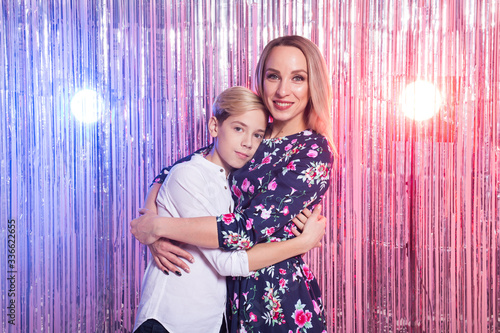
x,y
195,302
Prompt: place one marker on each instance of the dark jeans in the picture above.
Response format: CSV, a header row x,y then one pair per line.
x,y
153,326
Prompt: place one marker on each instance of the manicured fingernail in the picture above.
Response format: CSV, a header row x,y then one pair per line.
x,y
178,273
191,260
187,270
165,271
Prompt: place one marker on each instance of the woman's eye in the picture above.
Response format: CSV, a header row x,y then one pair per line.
x,y
272,76
298,78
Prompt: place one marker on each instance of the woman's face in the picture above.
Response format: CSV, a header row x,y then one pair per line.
x,y
286,88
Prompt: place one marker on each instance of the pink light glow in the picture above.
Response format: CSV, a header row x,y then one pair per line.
x,y
421,100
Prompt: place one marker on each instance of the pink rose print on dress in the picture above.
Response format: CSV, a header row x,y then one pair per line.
x,y
272,185
266,160
228,218
269,231
308,274
236,191
266,213
302,318
322,171
291,166
312,153
253,317
286,211
316,307
288,230
282,271
236,301
245,244
249,224
234,238
245,185
288,147
251,189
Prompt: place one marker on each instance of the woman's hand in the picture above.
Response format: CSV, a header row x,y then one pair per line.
x,y
167,256
311,225
143,227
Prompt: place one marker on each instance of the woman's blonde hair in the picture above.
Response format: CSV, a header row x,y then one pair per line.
x,y
236,100
320,92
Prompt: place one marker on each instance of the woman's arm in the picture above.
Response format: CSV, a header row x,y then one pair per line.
x,y
202,231
299,186
267,254
287,183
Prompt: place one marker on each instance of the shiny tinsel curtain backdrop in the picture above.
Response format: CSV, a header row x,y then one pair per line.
x,y
97,95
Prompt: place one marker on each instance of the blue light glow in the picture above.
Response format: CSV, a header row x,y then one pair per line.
x,y
87,106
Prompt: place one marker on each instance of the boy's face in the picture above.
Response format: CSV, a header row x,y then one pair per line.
x,y
237,138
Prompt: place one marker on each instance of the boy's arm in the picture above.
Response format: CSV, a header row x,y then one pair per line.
x,y
266,254
150,202
165,254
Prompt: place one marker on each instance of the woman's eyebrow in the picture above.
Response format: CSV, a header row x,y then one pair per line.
x,y
269,69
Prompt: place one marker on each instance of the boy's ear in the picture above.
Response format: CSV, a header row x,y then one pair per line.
x,y
213,126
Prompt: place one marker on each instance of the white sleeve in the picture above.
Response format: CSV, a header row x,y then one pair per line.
x,y
184,192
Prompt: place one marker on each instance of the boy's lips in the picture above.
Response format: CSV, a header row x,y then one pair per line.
x,y
242,155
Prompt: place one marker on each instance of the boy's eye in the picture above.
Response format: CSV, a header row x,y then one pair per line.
x,y
238,129
259,136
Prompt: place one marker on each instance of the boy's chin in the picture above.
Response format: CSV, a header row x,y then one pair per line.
x,y
239,165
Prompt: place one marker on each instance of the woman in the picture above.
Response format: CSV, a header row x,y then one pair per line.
x,y
289,172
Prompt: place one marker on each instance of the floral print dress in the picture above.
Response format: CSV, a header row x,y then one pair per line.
x,y
285,176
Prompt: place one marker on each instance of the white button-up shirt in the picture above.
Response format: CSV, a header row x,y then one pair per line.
x,y
195,301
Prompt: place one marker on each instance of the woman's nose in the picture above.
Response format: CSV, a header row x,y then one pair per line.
x,y
283,88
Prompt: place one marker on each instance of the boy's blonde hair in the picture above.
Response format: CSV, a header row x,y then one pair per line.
x,y
320,92
234,101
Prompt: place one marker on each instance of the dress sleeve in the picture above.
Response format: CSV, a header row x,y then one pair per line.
x,y
187,193
160,178
301,182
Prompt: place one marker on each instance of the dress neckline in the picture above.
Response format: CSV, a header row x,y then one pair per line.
x,y
280,138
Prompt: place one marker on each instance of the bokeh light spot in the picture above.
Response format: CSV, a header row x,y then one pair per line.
x,y
87,106
421,100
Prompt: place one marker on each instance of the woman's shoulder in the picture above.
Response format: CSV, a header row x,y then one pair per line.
x,y
313,140
303,145
313,136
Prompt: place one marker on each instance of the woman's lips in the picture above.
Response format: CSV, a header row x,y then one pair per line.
x,y
280,105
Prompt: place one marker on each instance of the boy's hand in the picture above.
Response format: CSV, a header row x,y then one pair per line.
x,y
143,227
167,256
311,225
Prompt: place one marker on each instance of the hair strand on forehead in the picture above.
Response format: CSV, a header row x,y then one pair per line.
x,y
234,101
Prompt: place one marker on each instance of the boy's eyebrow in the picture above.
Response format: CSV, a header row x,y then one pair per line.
x,y
239,122
245,125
